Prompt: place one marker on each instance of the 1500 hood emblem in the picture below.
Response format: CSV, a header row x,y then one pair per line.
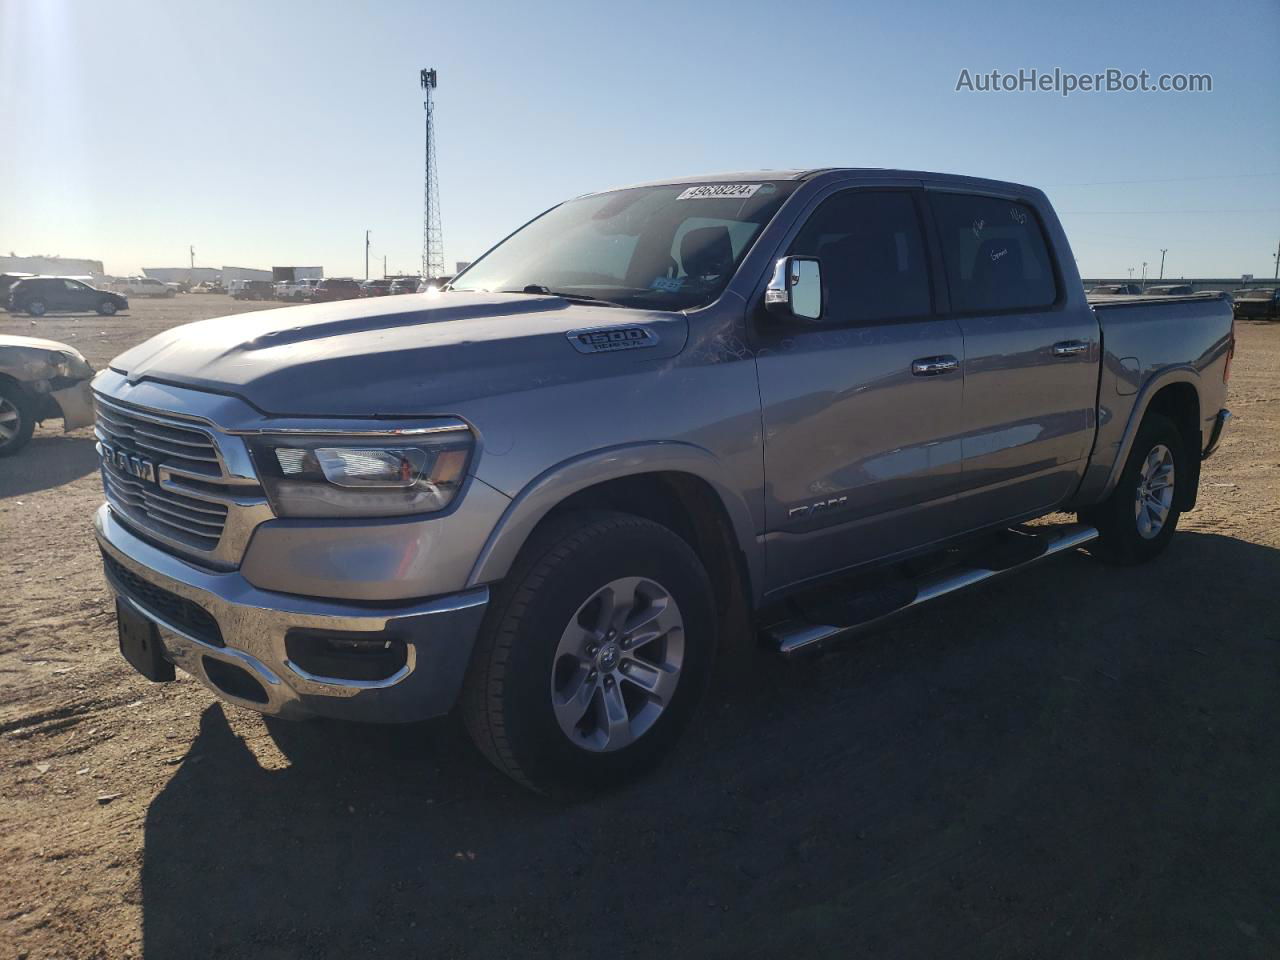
x,y
608,339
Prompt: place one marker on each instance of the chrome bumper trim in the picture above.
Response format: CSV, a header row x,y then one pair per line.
x,y
438,635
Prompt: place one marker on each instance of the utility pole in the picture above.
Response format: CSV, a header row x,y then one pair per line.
x,y
384,266
1131,273
432,240
193,259
1276,275
366,254
1163,251
1144,274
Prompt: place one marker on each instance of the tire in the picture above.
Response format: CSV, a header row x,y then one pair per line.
x,y
1129,534
555,595
16,420
36,308
107,308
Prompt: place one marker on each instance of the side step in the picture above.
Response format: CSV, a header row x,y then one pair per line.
x,y
831,617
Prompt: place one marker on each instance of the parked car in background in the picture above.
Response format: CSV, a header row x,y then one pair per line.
x,y
1262,303
1115,290
335,288
1169,290
255,290
208,286
146,287
295,291
376,288
40,295
404,285
807,401
41,380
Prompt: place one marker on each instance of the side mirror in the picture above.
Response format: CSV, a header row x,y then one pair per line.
x,y
795,292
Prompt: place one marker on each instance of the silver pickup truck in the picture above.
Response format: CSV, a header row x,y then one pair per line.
x,y
804,401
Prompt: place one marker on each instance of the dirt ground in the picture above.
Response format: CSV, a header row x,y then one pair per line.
x,y
1080,761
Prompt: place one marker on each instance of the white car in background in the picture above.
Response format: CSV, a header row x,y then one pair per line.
x,y
146,287
296,290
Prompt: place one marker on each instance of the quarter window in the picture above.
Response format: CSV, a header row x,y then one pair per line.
x,y
995,253
872,256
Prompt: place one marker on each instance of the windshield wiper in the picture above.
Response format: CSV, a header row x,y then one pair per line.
x,y
545,291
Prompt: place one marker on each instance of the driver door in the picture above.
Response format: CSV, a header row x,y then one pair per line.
x,y
862,442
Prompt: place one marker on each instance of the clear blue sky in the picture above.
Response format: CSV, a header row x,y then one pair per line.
x,y
276,133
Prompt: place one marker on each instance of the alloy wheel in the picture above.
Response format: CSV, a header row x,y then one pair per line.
x,y
617,664
1153,498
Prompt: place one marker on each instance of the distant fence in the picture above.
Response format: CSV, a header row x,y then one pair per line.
x,y
1228,284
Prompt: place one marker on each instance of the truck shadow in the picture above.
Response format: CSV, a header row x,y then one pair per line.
x,y
50,460
1076,760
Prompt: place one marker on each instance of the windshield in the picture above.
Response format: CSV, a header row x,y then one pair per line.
x,y
661,248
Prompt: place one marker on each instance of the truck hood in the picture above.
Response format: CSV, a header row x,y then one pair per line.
x,y
412,355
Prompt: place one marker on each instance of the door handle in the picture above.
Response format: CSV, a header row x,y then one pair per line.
x,y
1070,348
932,366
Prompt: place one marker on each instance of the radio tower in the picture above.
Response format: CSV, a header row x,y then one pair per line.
x,y
432,240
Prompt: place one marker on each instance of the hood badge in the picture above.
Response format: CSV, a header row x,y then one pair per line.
x,y
609,339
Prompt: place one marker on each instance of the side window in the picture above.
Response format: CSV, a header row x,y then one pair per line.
x,y
71,285
872,256
995,252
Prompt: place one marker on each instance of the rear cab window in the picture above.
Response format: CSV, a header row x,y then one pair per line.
x,y
995,254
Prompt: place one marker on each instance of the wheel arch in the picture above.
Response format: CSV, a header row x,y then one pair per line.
x,y
1175,395
678,485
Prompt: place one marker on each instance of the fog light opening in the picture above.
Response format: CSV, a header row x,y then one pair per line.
x,y
346,656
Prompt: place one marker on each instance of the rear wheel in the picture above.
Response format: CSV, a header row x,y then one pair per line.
x,y
1138,520
593,655
16,422
36,308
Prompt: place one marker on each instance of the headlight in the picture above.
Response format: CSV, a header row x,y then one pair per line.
x,y
69,363
355,477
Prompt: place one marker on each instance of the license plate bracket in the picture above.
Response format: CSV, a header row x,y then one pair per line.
x,y
140,644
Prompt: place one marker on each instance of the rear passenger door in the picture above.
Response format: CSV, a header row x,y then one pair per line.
x,y
1030,364
862,445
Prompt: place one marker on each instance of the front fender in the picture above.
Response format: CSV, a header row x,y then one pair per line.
x,y
550,488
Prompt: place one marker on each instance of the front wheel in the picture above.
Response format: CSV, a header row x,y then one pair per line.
x,y
593,656
1137,521
107,308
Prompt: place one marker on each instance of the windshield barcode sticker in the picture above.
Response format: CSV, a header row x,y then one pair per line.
x,y
720,191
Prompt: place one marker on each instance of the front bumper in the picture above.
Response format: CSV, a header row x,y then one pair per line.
x,y
76,404
1215,437
438,635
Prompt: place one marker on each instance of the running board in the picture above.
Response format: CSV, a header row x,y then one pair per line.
x,y
795,636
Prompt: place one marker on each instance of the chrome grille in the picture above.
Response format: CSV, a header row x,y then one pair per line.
x,y
177,446
197,523
164,476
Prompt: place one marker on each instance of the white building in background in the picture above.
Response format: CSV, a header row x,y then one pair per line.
x,y
192,275
55,266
